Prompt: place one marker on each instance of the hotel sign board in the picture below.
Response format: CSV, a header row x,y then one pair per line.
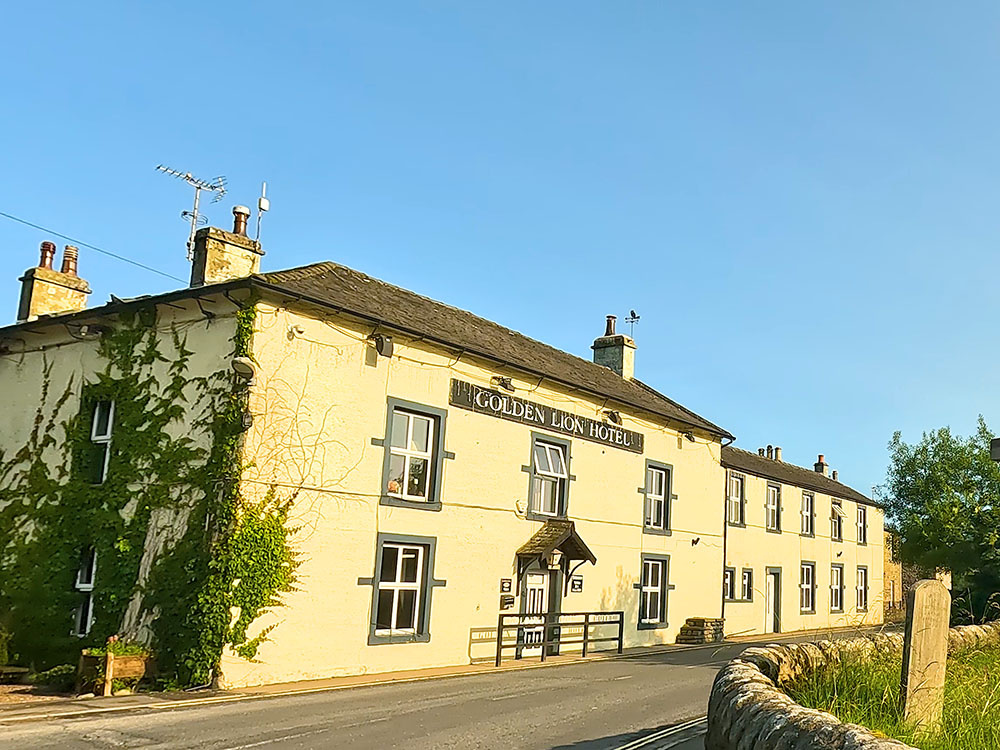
x,y
488,401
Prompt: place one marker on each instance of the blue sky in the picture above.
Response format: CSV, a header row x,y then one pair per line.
x,y
800,199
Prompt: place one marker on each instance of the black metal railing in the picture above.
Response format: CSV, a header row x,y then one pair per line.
x,y
549,631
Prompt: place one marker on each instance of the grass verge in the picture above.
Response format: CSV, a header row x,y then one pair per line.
x,y
866,692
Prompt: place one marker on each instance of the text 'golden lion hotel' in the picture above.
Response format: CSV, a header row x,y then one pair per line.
x,y
450,471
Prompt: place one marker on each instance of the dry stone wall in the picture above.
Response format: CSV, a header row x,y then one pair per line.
x,y
748,710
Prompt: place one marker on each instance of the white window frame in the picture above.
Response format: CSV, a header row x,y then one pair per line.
x,y
807,587
729,584
87,589
862,588
736,513
862,525
772,508
837,516
654,500
807,515
407,453
103,439
647,589
539,475
746,585
836,588
399,585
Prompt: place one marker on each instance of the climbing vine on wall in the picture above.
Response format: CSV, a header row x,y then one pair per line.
x,y
175,462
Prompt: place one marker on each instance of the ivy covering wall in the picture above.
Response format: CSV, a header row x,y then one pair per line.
x,y
175,464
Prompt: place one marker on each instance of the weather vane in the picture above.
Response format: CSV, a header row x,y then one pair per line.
x,y
632,319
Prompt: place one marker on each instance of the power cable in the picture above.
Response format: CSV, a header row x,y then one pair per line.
x,y
93,247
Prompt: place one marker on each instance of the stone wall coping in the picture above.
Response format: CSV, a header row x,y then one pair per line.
x,y
748,710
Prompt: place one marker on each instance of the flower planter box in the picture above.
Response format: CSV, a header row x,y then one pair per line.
x,y
120,667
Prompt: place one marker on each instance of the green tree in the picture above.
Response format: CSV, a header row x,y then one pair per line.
x,y
944,497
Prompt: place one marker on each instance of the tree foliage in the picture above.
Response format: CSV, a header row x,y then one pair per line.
x,y
944,497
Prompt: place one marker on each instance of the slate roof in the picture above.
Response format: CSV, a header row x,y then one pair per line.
x,y
557,534
752,463
355,293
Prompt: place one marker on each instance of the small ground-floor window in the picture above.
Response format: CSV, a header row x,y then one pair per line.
x,y
653,589
746,587
807,587
729,584
401,589
836,588
83,618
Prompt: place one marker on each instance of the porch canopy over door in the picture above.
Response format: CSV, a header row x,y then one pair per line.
x,y
556,535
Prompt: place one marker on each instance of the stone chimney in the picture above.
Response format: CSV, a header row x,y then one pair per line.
x,y
770,452
615,351
221,256
820,466
833,475
45,291
777,453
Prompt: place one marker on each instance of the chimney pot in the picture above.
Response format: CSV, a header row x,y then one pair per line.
x,y
71,255
820,466
45,291
615,351
834,475
240,216
760,452
777,453
770,451
48,254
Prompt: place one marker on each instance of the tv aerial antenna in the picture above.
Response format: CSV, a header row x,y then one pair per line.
x,y
632,319
216,185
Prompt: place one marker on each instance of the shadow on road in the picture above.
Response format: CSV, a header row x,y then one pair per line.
x,y
609,742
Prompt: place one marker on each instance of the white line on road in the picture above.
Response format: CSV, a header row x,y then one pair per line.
x,y
296,736
663,734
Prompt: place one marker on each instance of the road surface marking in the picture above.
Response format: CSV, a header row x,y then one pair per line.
x,y
296,736
664,733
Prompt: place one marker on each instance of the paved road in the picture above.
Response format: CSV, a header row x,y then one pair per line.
x,y
597,705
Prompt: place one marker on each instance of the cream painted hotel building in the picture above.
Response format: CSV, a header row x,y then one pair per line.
x,y
446,470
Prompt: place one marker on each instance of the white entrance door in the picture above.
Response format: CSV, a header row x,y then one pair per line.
x,y
772,603
536,604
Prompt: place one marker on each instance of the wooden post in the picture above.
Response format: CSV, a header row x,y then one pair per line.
x,y
925,653
109,668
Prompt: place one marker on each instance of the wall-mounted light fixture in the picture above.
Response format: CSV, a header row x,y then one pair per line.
x,y
295,330
383,344
87,331
244,368
505,383
613,416
695,541
689,436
